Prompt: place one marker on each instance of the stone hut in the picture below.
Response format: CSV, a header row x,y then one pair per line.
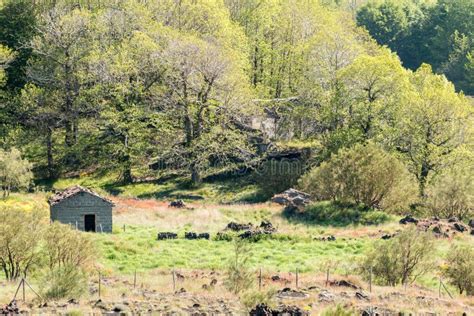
x,y
83,209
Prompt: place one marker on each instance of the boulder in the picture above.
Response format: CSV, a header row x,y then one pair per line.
x,y
344,283
453,219
471,223
10,309
233,226
292,198
408,219
460,227
177,204
267,227
167,235
261,310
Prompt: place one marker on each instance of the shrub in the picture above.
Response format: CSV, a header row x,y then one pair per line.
x,y
67,247
338,310
20,239
401,259
460,268
64,282
362,174
452,193
238,275
338,213
252,298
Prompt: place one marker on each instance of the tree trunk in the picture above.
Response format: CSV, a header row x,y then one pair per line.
x,y
49,152
195,175
423,178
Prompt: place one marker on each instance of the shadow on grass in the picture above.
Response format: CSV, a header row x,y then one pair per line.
x,y
328,213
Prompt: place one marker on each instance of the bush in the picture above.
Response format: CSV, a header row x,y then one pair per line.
x,y
340,214
460,268
339,310
362,174
64,282
238,275
252,298
452,194
399,260
15,172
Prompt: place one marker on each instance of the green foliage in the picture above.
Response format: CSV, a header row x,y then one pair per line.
x,y
252,298
399,260
452,193
64,282
460,268
338,310
238,275
361,174
275,176
340,214
15,172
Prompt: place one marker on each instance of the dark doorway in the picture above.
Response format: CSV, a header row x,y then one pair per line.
x,y
89,223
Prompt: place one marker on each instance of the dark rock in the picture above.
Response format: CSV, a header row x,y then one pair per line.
x,y
408,219
471,223
167,235
177,204
180,291
190,235
460,227
73,301
267,227
261,310
388,236
249,234
276,278
238,227
204,236
213,282
325,296
344,283
289,293
362,296
472,232
119,308
10,309
196,305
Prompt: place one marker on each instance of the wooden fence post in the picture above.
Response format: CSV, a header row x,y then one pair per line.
x,y
134,277
99,284
370,280
260,280
296,278
327,277
174,281
23,289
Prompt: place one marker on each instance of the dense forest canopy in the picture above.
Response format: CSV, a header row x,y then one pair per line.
x,y
120,86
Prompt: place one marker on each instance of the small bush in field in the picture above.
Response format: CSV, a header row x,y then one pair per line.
x,y
362,174
64,282
399,260
252,298
460,268
238,275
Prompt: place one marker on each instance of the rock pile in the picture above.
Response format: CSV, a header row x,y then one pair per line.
x,y
249,230
233,226
265,310
167,235
10,309
191,235
177,204
440,228
293,199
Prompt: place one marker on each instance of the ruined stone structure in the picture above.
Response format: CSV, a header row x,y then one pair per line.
x,y
82,209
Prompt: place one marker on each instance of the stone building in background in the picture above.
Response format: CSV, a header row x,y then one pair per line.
x,y
83,209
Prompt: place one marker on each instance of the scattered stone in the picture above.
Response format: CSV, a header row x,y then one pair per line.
x,y
213,282
238,227
275,278
177,204
248,234
267,227
10,309
264,310
292,198
119,308
167,235
388,236
289,293
471,223
196,305
191,235
344,283
73,301
408,219
325,296
362,296
460,227
180,291
204,236
328,238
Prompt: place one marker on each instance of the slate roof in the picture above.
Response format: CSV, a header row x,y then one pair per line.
x,y
72,191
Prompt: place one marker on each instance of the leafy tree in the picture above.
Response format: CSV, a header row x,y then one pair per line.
x,y
460,268
361,174
238,275
432,127
15,172
400,260
18,21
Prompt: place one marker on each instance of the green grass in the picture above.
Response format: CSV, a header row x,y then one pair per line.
x,y
137,248
338,214
218,191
